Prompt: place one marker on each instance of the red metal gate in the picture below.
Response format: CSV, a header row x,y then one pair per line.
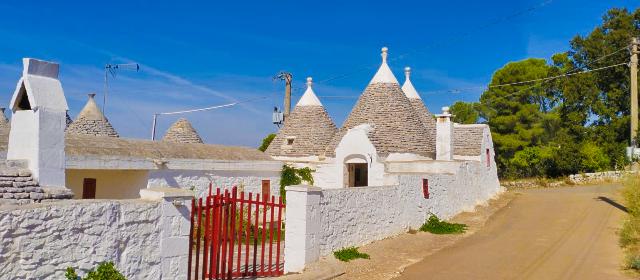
x,y
235,236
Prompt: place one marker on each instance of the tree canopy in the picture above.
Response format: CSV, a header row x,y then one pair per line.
x,y
575,123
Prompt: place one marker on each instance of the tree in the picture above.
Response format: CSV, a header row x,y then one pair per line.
x,y
266,142
464,112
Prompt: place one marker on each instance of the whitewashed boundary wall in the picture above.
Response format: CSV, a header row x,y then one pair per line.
x,y
320,221
145,238
248,181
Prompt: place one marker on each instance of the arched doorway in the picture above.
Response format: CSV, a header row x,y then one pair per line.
x,y
357,171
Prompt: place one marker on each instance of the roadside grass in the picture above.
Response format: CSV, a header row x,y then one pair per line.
x,y
630,232
349,253
436,226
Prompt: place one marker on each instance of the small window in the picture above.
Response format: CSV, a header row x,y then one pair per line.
x,y
488,158
89,188
290,141
425,188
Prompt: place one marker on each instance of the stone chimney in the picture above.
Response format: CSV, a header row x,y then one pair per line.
x,y
39,119
444,135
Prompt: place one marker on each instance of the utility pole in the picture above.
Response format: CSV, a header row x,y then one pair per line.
x,y
634,90
286,77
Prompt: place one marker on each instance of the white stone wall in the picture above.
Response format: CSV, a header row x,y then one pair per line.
x,y
40,241
357,216
249,181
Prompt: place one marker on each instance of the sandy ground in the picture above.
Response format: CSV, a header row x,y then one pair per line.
x,y
390,256
558,233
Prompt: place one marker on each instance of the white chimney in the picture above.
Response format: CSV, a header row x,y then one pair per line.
x,y
444,135
37,126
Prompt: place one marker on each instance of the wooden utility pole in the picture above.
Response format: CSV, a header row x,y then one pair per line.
x,y
286,77
634,90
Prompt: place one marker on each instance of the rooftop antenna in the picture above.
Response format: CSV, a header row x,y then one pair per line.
x,y
112,69
286,77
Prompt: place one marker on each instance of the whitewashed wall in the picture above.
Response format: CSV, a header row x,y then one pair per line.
x,y
42,240
357,216
146,239
249,181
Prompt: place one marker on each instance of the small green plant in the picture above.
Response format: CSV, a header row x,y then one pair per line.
x,y
266,142
350,253
437,226
630,233
104,271
294,176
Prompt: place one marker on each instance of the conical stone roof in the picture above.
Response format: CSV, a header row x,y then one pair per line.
x,y
418,105
397,128
307,130
91,121
182,132
4,122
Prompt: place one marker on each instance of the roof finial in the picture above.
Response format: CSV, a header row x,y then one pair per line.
x,y
91,95
384,54
309,81
407,72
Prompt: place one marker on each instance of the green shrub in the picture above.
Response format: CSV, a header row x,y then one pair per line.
x,y
593,158
349,253
630,232
266,142
293,176
104,271
436,226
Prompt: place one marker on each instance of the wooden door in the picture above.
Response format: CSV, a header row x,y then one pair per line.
x,y
266,188
89,188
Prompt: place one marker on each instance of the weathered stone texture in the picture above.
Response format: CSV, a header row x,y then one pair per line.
x,y
18,187
467,139
397,126
182,132
426,118
40,241
311,130
85,126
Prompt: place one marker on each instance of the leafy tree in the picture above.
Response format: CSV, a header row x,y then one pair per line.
x,y
464,112
266,142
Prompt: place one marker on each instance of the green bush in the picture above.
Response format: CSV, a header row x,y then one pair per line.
x,y
630,232
104,271
593,158
349,253
266,142
437,226
293,176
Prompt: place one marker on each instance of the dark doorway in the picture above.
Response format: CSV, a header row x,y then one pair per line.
x,y
358,174
89,188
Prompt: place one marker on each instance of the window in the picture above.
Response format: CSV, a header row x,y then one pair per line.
x,y
488,158
290,141
89,188
425,188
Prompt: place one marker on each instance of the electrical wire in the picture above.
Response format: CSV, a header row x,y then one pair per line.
x,y
212,107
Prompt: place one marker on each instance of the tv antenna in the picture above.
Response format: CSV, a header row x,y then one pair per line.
x,y
112,69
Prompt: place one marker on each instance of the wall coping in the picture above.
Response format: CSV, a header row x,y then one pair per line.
x,y
303,188
158,193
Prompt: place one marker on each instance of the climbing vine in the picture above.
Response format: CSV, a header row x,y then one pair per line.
x,y
294,176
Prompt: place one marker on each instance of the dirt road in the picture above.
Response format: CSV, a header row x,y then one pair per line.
x,y
559,233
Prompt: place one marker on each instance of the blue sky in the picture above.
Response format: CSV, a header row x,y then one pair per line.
x,y
199,54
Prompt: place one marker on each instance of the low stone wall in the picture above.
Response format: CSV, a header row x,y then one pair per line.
x,y
586,178
146,239
320,221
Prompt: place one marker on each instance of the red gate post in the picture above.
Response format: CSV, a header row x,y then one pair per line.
x,y
255,237
190,257
280,205
232,209
225,229
247,233
217,232
273,205
198,235
240,233
264,232
205,248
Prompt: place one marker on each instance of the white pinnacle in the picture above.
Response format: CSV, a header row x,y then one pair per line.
x,y
384,74
309,98
407,87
